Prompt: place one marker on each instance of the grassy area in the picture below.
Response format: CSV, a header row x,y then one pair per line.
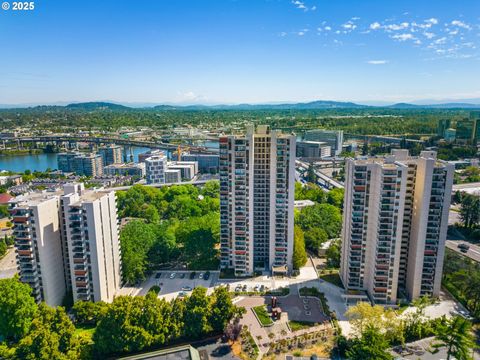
x,y
300,325
86,331
332,278
262,315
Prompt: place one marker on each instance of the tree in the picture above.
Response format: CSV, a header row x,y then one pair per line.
x,y
4,211
196,314
335,197
311,176
3,247
333,254
456,335
17,308
87,312
314,238
136,239
299,253
222,309
199,236
371,345
324,216
211,189
470,210
52,336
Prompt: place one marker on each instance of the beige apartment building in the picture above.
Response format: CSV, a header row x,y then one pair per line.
x,y
68,240
257,178
395,223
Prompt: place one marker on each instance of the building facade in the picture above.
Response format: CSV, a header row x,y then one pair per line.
x,y
130,169
94,248
112,154
333,138
38,245
313,149
395,223
88,165
155,167
173,176
65,161
68,241
207,163
257,178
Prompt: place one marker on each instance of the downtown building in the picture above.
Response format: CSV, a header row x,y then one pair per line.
x,y
65,240
257,178
111,154
155,167
395,224
333,138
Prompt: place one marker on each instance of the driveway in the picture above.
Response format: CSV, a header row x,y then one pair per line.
x,y
8,264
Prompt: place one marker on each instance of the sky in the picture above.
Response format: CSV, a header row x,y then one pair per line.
x,y
240,51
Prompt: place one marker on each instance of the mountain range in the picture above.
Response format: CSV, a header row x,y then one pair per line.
x,y
313,105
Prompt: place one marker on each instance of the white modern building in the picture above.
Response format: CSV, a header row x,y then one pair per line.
x,y
111,154
173,176
38,244
395,224
333,138
155,167
257,178
93,241
188,169
313,149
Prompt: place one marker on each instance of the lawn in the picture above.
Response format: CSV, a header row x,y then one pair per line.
x,y
332,278
262,315
86,331
300,325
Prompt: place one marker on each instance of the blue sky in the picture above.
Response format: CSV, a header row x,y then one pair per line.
x,y
212,51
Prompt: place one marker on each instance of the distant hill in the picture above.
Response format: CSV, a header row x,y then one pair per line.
x,y
435,106
97,106
313,105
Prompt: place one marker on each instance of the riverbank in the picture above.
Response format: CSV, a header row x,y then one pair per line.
x,y
20,152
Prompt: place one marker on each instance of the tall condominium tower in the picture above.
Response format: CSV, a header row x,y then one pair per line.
x,y
111,154
257,176
94,251
155,167
395,223
68,240
38,243
88,165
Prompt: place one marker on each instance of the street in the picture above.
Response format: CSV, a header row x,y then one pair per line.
x,y
473,252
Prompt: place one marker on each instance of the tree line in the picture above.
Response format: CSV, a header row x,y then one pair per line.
x,y
128,324
169,226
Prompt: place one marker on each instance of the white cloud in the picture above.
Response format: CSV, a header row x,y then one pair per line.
x,y
375,26
397,27
349,26
327,28
452,32
377,62
313,8
440,41
283,33
403,37
461,24
432,21
429,35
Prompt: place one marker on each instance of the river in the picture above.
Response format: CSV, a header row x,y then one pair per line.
x,y
41,162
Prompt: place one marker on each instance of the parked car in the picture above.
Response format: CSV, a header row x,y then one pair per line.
x,y
238,288
245,287
187,288
256,288
463,247
200,276
192,275
182,275
207,275
158,275
172,275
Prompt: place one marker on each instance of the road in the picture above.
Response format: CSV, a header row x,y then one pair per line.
x,y
473,252
8,265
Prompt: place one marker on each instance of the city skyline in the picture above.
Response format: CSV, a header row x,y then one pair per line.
x,y
233,52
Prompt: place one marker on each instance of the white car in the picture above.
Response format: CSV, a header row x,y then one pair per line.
x,y
200,276
172,275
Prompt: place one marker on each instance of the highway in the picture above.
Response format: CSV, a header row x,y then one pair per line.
x,y
473,252
197,182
